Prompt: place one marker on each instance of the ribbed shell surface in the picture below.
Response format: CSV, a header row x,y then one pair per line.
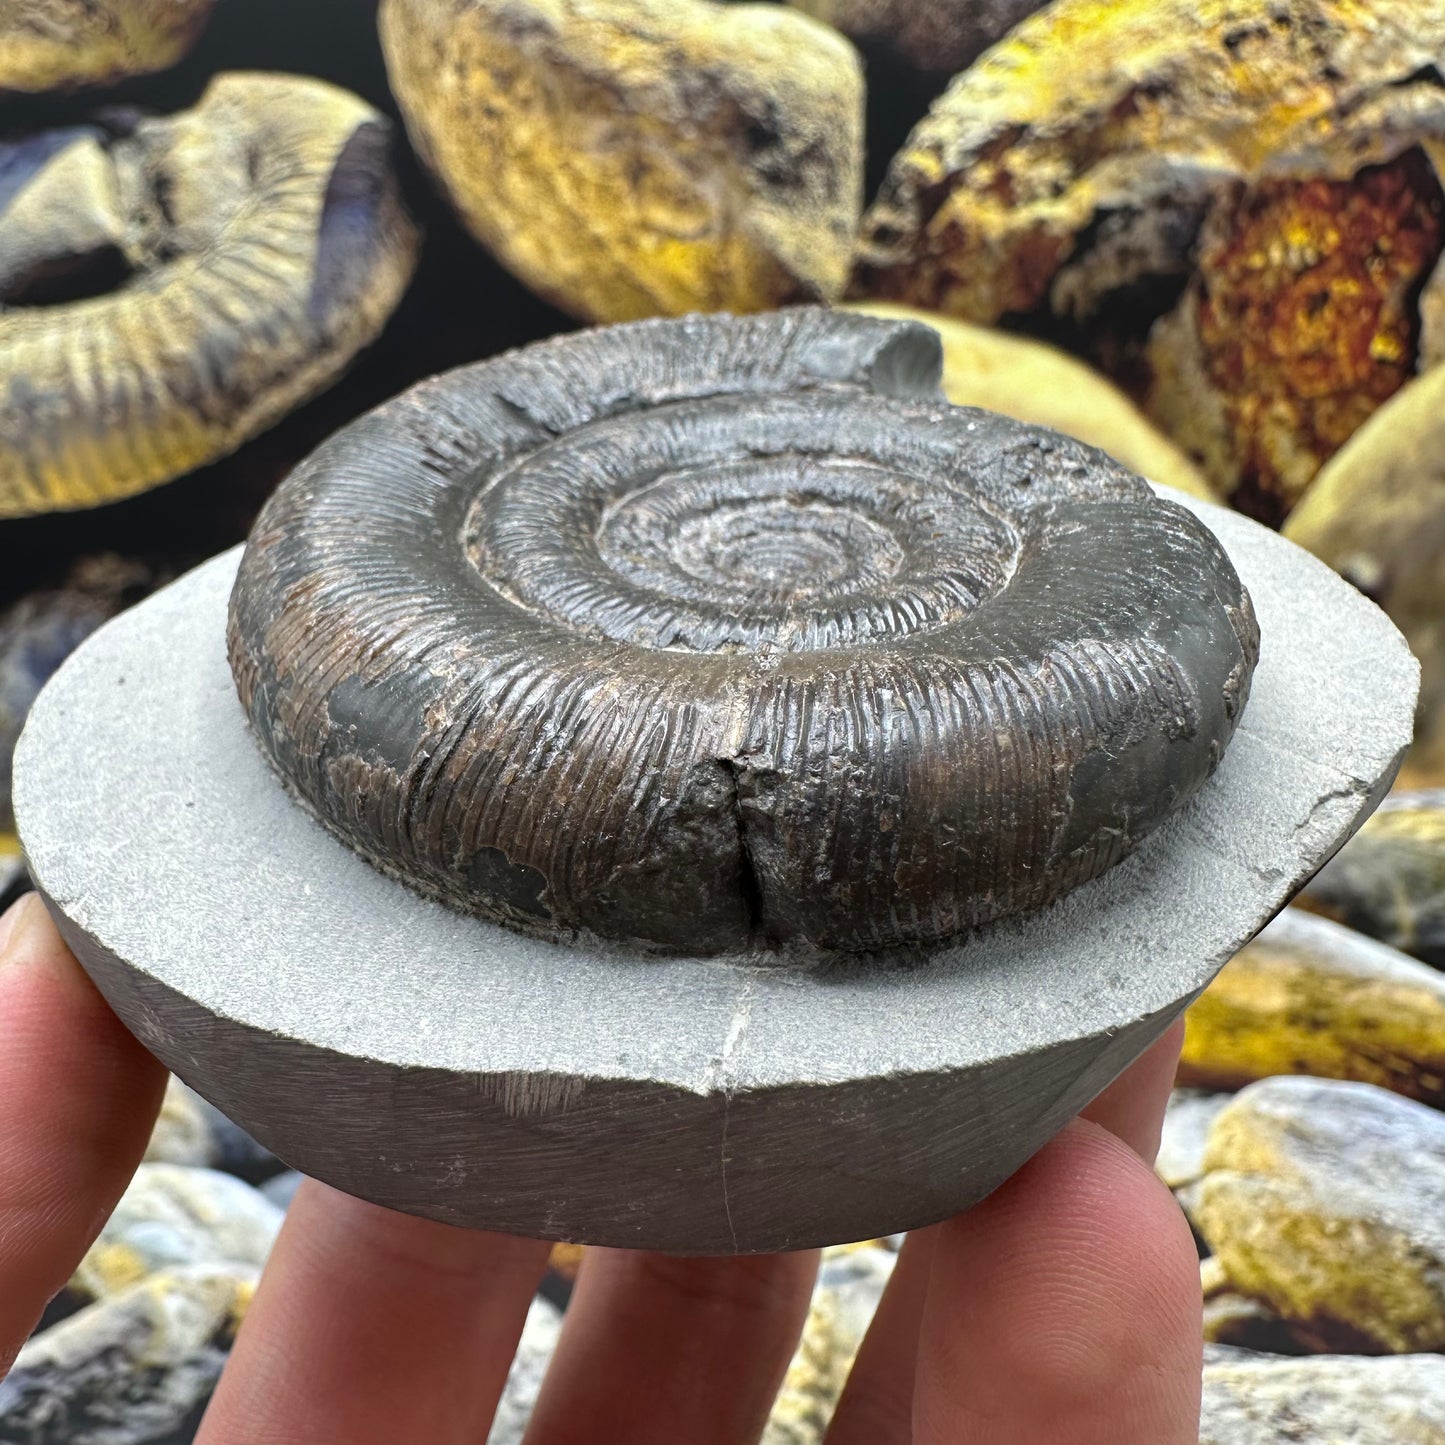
x,y
722,633
265,243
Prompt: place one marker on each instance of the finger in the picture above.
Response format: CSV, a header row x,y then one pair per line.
x,y
1132,1107
372,1327
1065,1307
876,1405
661,1349
78,1096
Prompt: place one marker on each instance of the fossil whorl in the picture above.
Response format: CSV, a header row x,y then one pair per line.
x,y
719,632
169,287
51,44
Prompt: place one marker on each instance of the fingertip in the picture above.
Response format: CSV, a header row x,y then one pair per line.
x,y
78,1097
1132,1107
1066,1305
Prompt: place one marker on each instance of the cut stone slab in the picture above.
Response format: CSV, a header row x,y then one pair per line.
x,y
444,1066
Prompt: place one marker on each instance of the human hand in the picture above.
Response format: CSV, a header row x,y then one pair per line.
x,y
1063,1310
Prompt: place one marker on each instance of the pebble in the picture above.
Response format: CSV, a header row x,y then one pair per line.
x,y
1325,1200
1311,997
192,1131
1389,880
174,1215
1232,1318
136,1368
524,1380
851,1281
281,1188
1255,1399
1180,1161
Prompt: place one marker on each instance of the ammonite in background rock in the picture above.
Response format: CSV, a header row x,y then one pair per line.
x,y
934,35
1033,382
169,287
1271,159
728,632
633,158
50,44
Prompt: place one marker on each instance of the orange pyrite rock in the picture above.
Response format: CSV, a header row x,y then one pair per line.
x,y
1256,179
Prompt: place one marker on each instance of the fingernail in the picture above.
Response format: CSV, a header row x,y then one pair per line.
x,y
10,925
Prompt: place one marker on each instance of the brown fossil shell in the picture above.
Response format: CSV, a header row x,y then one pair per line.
x,y
52,44
729,631
171,287
1264,152
630,158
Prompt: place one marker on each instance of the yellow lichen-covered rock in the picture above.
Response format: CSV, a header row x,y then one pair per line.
x,y
851,1281
1032,382
1376,514
632,158
168,290
1388,881
1310,997
934,35
1108,151
1326,1200
138,1365
176,1215
1231,1318
50,44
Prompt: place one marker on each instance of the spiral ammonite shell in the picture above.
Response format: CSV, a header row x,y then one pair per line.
x,y
229,261
722,633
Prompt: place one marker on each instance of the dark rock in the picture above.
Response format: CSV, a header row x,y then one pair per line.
x,y
1389,880
134,1369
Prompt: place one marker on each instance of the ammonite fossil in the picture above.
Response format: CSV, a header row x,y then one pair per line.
x,y
51,44
169,287
1273,160
719,633
634,158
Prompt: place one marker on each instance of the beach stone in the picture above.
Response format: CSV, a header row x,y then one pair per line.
x,y
171,1216
1259,1399
1032,382
524,1379
1310,997
136,1368
1232,1318
1376,514
1187,1120
1180,1161
851,1281
281,1189
1389,880
181,1134
192,1131
448,1067
1326,1200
